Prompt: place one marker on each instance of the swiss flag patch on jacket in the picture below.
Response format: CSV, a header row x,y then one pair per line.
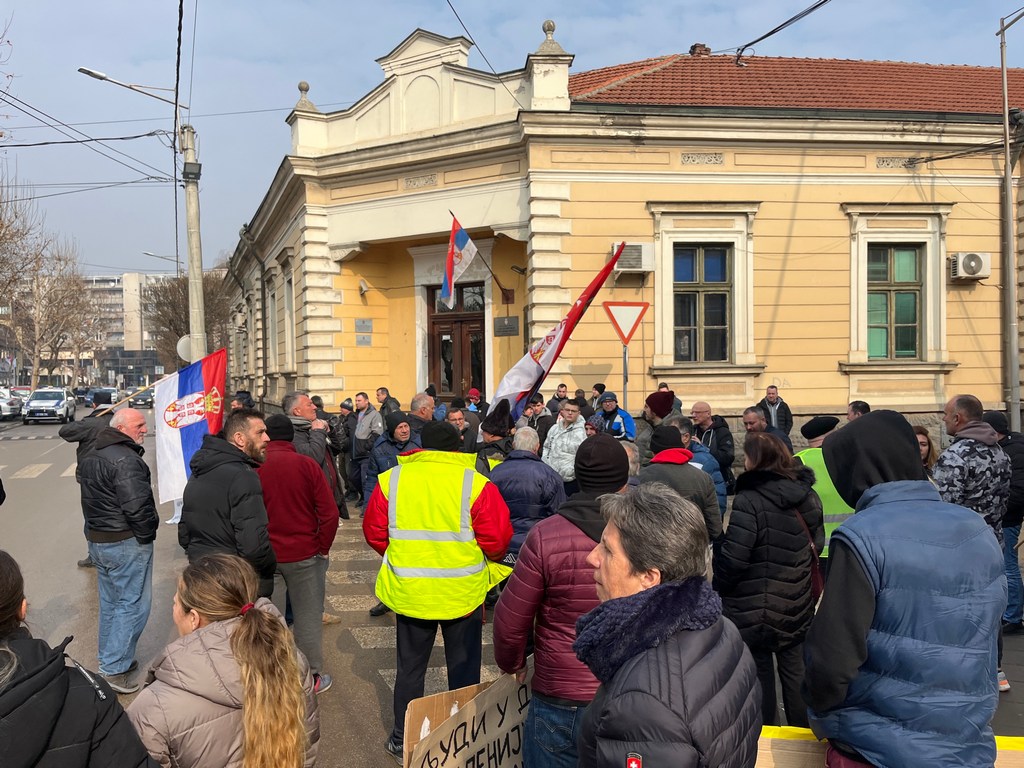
x,y
633,760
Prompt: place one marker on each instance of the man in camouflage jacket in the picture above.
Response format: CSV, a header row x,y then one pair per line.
x,y
973,472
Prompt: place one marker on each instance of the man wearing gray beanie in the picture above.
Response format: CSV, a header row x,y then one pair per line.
x,y
552,586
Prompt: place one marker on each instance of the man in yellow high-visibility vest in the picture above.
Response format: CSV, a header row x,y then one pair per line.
x,y
441,527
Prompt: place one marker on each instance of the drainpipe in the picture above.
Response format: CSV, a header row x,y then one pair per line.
x,y
249,241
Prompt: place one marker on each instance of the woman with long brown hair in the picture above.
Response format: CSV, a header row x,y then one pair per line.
x,y
51,713
928,453
763,570
232,690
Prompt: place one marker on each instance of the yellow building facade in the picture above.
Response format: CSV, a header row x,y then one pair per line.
x,y
807,244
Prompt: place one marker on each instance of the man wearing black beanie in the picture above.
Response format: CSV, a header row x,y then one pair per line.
x,y
901,655
552,586
442,528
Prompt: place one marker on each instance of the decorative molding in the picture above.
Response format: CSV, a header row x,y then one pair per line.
x,y
704,370
346,251
419,182
895,162
897,368
702,158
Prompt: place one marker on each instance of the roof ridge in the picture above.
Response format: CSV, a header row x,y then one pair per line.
x,y
661,64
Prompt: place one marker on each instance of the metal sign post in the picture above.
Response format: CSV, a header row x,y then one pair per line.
x,y
625,317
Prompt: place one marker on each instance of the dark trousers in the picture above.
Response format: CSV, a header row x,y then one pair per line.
x,y
355,476
415,641
791,674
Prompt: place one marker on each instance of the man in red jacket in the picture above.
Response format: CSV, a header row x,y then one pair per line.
x,y
552,586
302,521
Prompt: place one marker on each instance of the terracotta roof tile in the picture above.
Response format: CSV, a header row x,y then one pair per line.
x,y
716,81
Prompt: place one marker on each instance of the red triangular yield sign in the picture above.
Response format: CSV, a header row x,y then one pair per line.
x,y
626,317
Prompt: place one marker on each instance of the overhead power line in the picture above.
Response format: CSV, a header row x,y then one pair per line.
x,y
805,12
484,55
83,141
88,189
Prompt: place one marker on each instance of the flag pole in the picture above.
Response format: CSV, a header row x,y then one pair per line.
x,y
508,295
133,394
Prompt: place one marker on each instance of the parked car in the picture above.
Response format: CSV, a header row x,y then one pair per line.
x,y
48,403
80,393
107,396
10,405
21,393
140,398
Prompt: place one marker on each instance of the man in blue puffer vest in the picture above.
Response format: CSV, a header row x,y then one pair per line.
x,y
901,657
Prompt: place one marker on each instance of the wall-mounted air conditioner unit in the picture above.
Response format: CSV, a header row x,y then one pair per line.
x,y
636,258
970,265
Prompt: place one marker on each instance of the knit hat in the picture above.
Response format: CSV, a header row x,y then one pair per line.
x,y
997,420
661,403
818,426
599,388
596,421
474,392
606,397
498,421
601,464
663,438
392,420
431,390
458,402
279,427
440,436
347,403
879,447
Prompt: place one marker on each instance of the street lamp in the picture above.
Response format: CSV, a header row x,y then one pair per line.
x,y
190,175
1012,341
177,262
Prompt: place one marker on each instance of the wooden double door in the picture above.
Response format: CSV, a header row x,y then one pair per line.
x,y
456,354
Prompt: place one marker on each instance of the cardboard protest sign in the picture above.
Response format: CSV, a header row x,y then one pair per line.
x,y
485,732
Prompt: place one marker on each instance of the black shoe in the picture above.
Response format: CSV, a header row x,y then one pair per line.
x,y
395,749
379,610
87,563
1012,627
351,496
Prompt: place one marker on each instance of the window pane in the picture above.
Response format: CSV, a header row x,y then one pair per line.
x,y
446,351
905,265
686,346
686,310
878,309
715,265
878,265
715,309
905,309
906,341
476,358
439,305
685,265
878,343
716,344
473,298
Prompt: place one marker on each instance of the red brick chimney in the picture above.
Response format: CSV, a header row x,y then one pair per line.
x,y
699,49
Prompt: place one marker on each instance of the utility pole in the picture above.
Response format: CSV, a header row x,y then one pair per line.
x,y
196,312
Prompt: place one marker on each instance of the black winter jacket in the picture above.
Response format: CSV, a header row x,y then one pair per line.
x,y
315,444
763,569
384,456
1013,446
85,431
718,439
117,495
223,511
56,716
782,413
678,686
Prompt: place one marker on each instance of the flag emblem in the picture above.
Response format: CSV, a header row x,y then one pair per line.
x,y
633,760
192,408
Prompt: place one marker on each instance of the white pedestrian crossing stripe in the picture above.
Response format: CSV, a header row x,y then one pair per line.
x,y
30,471
436,680
352,577
70,471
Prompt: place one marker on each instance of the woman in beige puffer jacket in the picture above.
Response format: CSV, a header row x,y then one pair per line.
x,y
195,711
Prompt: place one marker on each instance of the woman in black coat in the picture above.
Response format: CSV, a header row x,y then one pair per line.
x,y
53,715
763,568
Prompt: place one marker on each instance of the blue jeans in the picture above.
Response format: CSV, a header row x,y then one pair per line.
x,y
549,735
1015,601
124,576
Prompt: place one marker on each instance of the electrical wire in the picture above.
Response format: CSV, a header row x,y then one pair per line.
x,y
174,149
805,12
83,141
74,191
192,63
484,55
23,106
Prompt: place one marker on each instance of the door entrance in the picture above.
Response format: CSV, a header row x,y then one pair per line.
x,y
455,355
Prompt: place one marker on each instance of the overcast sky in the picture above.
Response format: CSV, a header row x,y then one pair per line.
x,y
241,62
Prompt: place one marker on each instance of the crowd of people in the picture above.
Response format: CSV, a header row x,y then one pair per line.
x,y
657,583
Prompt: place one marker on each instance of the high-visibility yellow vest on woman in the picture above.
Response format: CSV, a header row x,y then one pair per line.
x,y
434,567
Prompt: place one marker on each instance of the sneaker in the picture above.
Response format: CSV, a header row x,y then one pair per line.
x,y
121,683
1004,684
132,667
395,749
379,610
321,682
87,563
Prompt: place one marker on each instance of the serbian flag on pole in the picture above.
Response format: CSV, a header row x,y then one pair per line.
x,y
460,253
187,405
525,377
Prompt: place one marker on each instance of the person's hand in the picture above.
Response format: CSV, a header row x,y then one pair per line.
x,y
521,676
319,424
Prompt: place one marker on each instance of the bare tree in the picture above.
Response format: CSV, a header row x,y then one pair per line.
x,y
48,302
166,308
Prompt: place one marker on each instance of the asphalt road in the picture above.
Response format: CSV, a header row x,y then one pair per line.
x,y
41,525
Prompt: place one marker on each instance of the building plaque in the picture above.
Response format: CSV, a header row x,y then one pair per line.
x,y
506,326
364,325
364,340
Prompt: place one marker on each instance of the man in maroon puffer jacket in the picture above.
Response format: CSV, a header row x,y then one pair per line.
x,y
553,585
